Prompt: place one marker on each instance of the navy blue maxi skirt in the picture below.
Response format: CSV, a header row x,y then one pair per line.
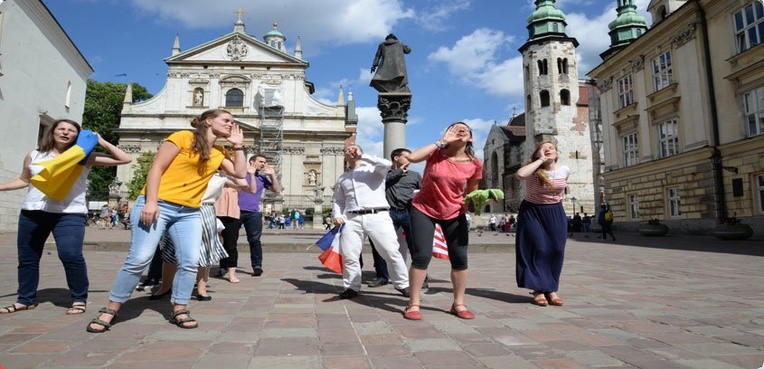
x,y
540,246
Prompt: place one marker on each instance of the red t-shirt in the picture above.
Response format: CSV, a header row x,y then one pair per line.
x,y
444,184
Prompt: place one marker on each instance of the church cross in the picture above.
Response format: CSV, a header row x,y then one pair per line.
x,y
239,12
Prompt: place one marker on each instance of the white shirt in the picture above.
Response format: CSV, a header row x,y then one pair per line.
x,y
74,203
362,187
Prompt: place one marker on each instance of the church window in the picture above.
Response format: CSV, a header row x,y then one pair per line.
x,y
234,98
543,68
544,95
630,149
753,110
625,91
668,138
495,169
749,26
662,71
562,65
564,97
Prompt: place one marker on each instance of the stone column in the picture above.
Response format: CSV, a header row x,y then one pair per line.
x,y
394,109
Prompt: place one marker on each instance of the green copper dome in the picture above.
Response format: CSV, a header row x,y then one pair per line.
x,y
546,20
628,26
275,32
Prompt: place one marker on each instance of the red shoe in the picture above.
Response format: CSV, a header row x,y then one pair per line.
x,y
412,315
464,314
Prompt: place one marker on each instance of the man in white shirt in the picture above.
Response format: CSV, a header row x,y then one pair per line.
x,y
359,203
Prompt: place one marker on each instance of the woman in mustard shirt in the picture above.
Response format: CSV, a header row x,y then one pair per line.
x,y
170,202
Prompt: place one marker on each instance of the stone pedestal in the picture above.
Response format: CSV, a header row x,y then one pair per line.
x,y
394,109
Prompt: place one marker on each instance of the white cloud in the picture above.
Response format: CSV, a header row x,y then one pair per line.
x,y
318,23
434,19
370,131
472,59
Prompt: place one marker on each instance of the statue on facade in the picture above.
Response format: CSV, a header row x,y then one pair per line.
x,y
390,66
312,178
198,97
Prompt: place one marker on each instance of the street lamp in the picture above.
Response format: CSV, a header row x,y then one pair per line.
x,y
573,200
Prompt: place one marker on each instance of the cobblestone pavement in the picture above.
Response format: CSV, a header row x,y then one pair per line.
x,y
673,302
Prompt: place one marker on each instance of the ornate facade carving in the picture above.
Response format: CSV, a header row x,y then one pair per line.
x,y
130,149
332,151
294,149
637,64
394,107
236,49
683,36
605,84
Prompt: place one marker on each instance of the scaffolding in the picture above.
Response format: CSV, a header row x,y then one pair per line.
x,y
270,107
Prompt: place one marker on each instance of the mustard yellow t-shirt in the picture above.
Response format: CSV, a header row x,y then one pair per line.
x,y
185,180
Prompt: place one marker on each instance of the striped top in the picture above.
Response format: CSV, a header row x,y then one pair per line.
x,y
537,193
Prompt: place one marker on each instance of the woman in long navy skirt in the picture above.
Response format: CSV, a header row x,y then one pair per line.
x,y
542,225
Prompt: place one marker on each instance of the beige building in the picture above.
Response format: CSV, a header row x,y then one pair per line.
x,y
43,77
682,110
268,93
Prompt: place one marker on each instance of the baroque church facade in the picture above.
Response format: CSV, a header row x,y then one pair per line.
x,y
556,109
267,91
682,109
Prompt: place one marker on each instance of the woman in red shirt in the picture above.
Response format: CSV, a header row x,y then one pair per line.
x,y
452,170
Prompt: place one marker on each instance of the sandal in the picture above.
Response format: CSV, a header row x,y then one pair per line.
x,y
106,325
556,301
463,314
539,298
181,322
78,307
12,308
412,315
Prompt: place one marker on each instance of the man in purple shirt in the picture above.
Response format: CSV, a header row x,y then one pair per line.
x,y
260,176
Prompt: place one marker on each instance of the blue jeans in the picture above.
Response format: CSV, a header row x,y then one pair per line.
x,y
401,218
184,226
69,231
253,224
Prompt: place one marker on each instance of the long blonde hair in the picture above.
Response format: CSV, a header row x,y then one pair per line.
x,y
200,135
542,173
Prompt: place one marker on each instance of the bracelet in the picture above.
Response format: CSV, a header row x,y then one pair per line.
x,y
440,144
237,148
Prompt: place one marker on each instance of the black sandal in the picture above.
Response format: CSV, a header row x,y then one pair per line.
x,y
182,322
12,308
105,325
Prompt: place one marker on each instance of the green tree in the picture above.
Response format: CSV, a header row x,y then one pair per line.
x,y
103,108
141,168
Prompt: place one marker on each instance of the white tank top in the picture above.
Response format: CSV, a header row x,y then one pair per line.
x,y
74,202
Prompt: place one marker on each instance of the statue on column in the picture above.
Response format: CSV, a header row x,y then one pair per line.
x,y
390,66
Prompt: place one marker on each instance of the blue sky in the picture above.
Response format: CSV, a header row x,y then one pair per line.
x,y
464,63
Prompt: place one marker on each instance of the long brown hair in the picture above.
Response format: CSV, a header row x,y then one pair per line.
x,y
49,143
541,172
200,135
468,148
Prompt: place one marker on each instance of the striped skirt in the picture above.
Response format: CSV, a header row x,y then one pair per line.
x,y
212,248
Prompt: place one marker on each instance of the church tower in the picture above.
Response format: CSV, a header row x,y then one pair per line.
x,y
552,92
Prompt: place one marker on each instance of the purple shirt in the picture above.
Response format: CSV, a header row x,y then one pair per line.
x,y
251,201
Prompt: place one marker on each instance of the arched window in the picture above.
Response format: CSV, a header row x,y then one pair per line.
x,y
495,168
234,98
562,65
564,97
544,96
543,68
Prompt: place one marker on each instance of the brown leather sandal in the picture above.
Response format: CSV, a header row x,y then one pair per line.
x,y
539,299
106,325
181,322
12,308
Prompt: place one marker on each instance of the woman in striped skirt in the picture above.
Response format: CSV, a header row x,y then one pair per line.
x,y
542,225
